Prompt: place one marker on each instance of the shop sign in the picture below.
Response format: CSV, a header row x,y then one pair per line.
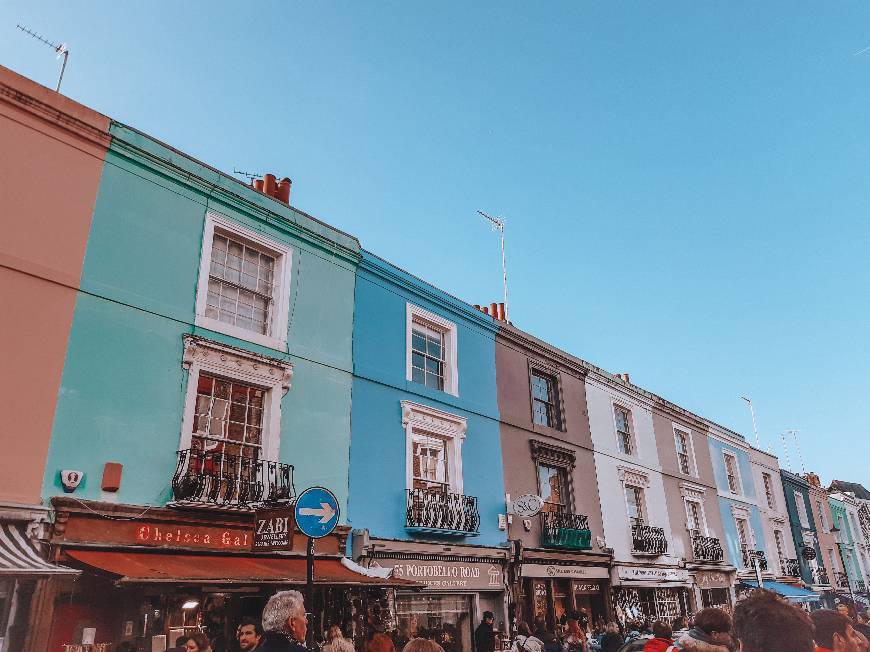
x,y
273,529
587,587
556,571
653,574
174,536
808,553
712,580
447,575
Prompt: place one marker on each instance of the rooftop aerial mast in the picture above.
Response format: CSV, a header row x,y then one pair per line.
x,y
62,50
498,225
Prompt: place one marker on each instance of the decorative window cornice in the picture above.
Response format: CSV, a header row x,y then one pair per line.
x,y
693,491
633,477
543,452
740,511
238,363
433,420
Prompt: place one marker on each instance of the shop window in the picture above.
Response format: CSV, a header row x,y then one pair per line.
x,y
244,284
719,598
546,410
445,618
431,351
552,487
622,420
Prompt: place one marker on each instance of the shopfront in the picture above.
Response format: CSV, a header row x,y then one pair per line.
x,y
150,576
713,588
553,592
651,593
460,582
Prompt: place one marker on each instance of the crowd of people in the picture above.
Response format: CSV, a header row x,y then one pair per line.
x,y
762,622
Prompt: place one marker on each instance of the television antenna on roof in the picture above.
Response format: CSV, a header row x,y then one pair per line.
x,y
250,175
62,50
498,225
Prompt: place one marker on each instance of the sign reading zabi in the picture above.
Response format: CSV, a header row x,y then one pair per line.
x,y
273,529
316,512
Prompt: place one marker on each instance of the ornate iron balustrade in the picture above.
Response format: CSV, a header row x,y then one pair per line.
x,y
648,540
860,586
841,580
435,510
820,576
707,549
215,478
749,555
790,567
569,531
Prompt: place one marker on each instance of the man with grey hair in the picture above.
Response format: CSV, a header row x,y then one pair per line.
x,y
285,623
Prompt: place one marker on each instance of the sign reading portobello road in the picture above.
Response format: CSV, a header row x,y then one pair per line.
x,y
476,576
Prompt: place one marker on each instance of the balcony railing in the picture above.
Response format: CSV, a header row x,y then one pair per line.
x,y
445,512
841,580
820,576
648,540
215,478
569,531
707,549
860,586
748,557
790,567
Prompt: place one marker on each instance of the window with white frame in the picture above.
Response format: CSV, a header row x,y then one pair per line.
x,y
768,490
434,448
233,401
681,440
744,533
244,283
545,399
622,420
823,516
853,522
695,519
832,560
732,473
634,499
780,548
801,507
553,488
431,351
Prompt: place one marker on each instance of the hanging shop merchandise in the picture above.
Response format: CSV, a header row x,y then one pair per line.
x,y
647,592
150,576
461,582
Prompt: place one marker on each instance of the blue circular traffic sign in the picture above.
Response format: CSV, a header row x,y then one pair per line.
x,y
316,512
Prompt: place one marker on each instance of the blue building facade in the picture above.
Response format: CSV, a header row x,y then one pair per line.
x,y
741,520
426,480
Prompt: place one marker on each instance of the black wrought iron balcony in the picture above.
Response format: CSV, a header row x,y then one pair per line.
x,y
708,549
568,531
750,555
820,577
841,580
217,479
860,586
444,512
648,540
790,567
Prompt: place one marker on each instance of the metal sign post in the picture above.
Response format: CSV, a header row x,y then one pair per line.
x,y
316,516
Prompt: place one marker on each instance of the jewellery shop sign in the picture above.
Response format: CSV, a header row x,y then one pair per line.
x,y
442,575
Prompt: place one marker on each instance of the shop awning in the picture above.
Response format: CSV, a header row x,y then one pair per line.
x,y
146,567
18,556
793,593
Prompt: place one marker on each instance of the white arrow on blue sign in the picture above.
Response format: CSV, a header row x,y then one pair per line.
x,y
316,512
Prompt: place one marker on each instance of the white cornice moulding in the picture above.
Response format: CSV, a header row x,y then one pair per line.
x,y
221,358
432,419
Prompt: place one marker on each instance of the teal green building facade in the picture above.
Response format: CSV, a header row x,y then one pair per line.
x,y
141,319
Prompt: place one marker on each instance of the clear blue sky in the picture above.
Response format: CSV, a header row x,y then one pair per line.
x,y
685,184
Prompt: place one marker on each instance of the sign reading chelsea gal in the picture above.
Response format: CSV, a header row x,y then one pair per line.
x,y
273,529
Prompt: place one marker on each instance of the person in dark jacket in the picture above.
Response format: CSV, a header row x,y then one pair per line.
x,y
285,623
612,639
484,637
